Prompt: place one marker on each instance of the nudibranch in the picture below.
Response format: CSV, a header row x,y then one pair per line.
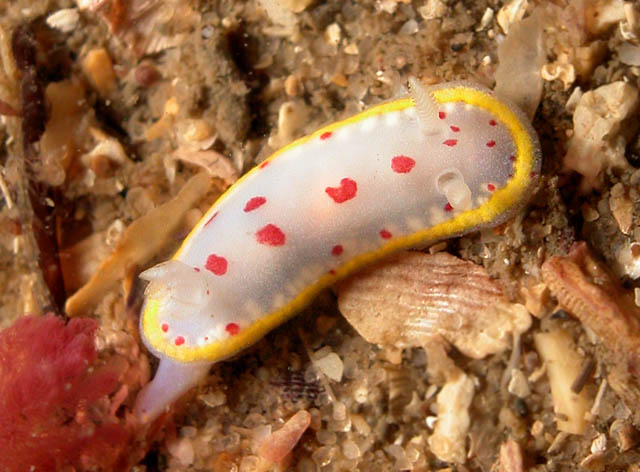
x,y
444,161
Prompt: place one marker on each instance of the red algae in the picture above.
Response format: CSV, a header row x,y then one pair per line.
x,y
54,409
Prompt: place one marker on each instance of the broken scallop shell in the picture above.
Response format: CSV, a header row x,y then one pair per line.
x,y
408,299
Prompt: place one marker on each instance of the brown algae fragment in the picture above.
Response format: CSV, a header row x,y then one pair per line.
x,y
80,261
142,240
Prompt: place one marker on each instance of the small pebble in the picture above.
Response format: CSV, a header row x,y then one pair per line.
x,y
352,49
101,165
292,86
340,425
360,424
625,434
114,232
213,399
360,394
432,9
350,449
206,32
98,68
599,444
487,18
326,438
332,34
409,28
518,385
350,368
323,456
65,20
340,80
182,450
316,419
339,411
331,365
249,464
146,74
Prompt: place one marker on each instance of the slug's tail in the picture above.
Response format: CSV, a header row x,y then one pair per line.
x,y
171,381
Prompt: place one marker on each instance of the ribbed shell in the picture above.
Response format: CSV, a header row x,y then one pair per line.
x,y
408,299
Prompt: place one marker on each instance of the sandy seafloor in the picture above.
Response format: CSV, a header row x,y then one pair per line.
x,y
165,89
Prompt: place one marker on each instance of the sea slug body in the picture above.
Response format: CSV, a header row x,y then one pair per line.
x,y
448,160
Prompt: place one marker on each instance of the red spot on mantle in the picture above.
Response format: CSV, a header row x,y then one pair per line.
x,y
264,164
491,187
345,192
326,135
402,164
493,122
232,329
385,234
491,143
337,250
442,115
271,235
254,203
179,341
164,327
216,264
450,142
455,129
448,207
211,219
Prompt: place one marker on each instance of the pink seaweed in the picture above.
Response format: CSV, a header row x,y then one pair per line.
x,y
54,408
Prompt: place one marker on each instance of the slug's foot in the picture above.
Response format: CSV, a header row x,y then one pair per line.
x,y
172,380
